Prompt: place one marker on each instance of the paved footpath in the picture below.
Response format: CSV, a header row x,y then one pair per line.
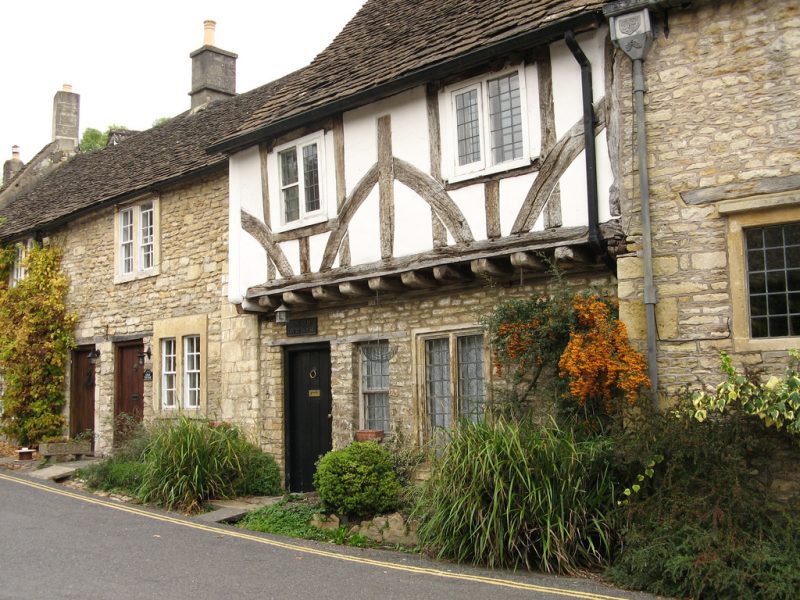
x,y
59,543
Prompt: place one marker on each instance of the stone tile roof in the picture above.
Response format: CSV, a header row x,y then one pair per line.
x,y
388,39
142,161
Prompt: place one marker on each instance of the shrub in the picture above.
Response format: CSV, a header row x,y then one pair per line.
x,y
36,334
511,494
189,461
358,480
706,525
260,473
114,475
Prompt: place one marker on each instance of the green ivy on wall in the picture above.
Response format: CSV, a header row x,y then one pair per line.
x,y
36,334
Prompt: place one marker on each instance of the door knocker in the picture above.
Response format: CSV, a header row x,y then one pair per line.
x,y
312,374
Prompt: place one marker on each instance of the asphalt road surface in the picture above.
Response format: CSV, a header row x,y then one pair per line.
x,y
56,543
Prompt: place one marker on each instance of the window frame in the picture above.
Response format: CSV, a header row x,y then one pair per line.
x,y
365,391
305,217
188,389
485,166
18,270
745,213
139,212
427,428
164,373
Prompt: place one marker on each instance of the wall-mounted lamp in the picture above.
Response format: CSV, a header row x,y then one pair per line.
x,y
144,355
282,314
93,356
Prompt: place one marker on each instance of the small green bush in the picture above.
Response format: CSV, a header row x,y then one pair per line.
x,y
358,480
512,494
260,473
114,475
706,525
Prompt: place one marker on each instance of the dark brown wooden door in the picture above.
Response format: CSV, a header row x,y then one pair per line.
x,y
129,381
81,397
308,398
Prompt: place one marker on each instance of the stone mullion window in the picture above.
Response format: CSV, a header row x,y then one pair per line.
x,y
454,378
773,274
375,385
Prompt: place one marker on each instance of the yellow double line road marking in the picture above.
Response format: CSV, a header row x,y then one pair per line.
x,y
313,551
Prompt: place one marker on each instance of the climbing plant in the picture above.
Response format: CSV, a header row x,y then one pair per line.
x,y
36,333
578,337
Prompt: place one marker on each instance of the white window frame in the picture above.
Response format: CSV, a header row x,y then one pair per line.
x,y
192,368
276,185
18,270
484,166
169,359
136,240
452,335
365,391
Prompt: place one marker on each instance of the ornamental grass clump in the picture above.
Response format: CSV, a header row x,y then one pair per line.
x,y
515,494
189,461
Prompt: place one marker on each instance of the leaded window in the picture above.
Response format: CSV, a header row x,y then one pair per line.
x,y
773,279
375,385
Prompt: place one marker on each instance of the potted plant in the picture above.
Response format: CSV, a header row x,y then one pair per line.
x,y
365,435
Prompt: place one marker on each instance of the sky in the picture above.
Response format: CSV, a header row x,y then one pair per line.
x,y
129,61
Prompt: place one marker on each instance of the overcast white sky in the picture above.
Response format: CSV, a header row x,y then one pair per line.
x,y
129,61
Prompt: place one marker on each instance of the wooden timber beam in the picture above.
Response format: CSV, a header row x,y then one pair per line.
x,y
326,293
449,274
528,260
491,267
294,298
354,289
572,257
269,301
418,280
385,284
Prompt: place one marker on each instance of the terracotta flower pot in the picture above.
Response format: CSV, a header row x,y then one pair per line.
x,y
365,435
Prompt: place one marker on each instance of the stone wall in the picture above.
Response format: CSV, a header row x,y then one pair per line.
x,y
723,122
402,320
191,282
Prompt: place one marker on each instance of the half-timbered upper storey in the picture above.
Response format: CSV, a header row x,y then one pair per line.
x,y
430,142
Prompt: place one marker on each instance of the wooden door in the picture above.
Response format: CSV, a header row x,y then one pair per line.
x,y
308,401
129,395
81,396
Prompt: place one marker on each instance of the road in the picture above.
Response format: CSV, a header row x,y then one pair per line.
x,y
56,543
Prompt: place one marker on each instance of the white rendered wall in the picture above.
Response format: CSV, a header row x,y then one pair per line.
x,y
567,92
247,260
413,229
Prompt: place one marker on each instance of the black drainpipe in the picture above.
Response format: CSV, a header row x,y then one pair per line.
x,y
597,244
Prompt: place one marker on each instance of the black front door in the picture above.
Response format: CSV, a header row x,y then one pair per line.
x,y
308,402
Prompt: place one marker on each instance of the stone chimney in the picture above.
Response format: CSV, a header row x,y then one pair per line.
x,y
213,70
12,166
66,110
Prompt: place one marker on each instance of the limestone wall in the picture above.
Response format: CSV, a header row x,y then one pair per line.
x,y
723,123
191,282
401,320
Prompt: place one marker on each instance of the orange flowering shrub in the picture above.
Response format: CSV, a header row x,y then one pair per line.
x,y
578,336
599,362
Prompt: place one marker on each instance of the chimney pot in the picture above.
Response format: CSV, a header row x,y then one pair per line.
x,y
208,32
15,152
66,87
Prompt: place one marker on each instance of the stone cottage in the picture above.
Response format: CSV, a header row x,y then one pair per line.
x,y
143,225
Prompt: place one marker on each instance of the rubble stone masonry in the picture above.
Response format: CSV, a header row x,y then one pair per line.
x,y
723,124
191,283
